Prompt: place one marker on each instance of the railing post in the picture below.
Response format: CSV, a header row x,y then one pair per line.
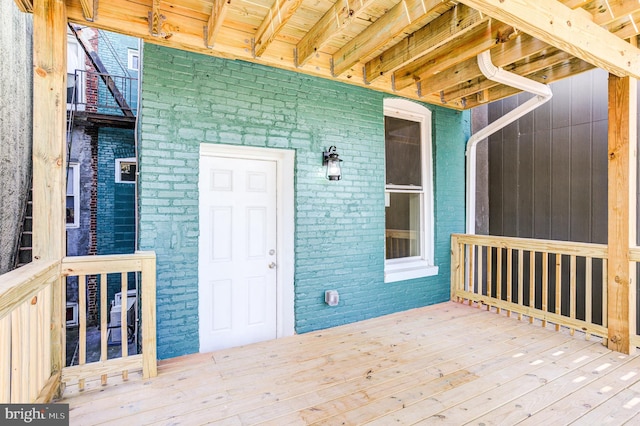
x,y
148,296
622,136
456,280
49,160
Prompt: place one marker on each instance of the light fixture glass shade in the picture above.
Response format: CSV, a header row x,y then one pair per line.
x,y
333,168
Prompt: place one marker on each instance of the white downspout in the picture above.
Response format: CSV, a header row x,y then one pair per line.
x,y
543,94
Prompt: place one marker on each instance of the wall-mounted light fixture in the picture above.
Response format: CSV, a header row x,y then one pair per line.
x,y
331,159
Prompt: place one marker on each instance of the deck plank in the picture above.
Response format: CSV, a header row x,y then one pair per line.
x,y
448,363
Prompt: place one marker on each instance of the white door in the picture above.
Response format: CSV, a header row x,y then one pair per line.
x,y
238,259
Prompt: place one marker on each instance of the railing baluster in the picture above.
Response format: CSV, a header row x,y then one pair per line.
x,y
509,276
545,284
558,287
588,297
124,341
33,353
489,273
520,281
498,276
480,271
573,283
82,319
148,299
104,324
605,310
532,282
471,271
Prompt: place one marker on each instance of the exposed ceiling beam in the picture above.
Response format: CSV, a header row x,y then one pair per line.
x,y
438,32
501,55
556,72
332,25
215,21
89,9
566,29
469,45
606,11
156,19
279,14
546,60
393,23
25,6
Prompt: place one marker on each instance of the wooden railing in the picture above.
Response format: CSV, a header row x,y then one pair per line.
x,y
102,268
400,242
32,325
26,325
554,281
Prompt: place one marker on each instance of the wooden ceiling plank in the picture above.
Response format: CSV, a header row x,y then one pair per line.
x,y
467,46
558,25
329,27
277,17
606,11
388,26
89,9
212,29
443,29
25,6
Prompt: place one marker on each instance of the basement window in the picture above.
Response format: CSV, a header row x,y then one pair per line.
x,y
408,192
73,196
126,169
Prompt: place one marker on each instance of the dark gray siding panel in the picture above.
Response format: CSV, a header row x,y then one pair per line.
x,y
541,185
560,183
580,184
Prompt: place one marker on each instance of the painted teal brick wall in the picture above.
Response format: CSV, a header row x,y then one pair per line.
x,y
189,98
115,215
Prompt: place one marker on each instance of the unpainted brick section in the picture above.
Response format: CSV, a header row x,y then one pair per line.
x,y
189,98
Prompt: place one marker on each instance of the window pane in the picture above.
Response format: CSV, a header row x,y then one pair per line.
x,y
70,180
70,210
127,172
403,225
402,152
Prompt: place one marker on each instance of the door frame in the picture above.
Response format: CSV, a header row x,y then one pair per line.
x,y
285,222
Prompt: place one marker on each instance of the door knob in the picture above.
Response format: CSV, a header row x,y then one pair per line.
x,y
272,265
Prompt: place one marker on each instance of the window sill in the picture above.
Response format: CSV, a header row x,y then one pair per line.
x,y
407,271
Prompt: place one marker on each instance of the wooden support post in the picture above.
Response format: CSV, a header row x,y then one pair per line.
x,y
49,165
621,312
148,295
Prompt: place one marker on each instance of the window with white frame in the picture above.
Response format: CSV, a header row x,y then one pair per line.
x,y
408,191
133,62
73,196
126,169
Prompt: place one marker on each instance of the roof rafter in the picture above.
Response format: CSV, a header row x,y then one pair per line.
x,y
279,14
554,73
566,29
403,15
330,26
215,21
89,9
441,30
549,58
470,45
501,55
25,6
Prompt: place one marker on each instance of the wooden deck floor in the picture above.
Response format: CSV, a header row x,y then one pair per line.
x,y
446,364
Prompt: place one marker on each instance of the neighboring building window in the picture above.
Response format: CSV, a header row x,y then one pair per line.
x,y
75,74
409,191
126,170
73,196
134,60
